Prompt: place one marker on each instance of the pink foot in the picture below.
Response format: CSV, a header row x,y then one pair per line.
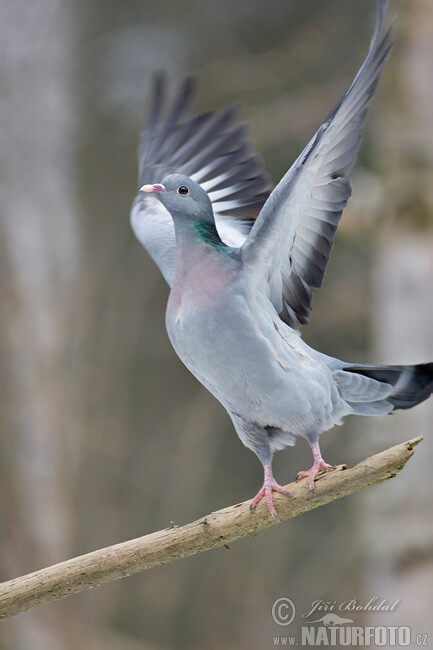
x,y
319,466
269,485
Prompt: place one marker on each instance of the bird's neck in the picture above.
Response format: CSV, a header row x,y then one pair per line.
x,y
202,262
199,232
206,233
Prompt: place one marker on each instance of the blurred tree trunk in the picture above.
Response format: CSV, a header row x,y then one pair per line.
x,y
400,536
40,259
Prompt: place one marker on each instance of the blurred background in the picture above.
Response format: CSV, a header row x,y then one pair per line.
x,y
104,434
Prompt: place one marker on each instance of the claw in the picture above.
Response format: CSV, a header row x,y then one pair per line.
x,y
319,466
269,485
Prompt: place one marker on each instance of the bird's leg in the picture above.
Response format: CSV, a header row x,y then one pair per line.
x,y
318,465
269,485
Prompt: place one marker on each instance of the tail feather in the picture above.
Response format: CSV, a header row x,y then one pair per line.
x,y
408,385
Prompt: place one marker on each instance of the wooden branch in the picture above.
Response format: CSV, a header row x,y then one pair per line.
x,y
215,530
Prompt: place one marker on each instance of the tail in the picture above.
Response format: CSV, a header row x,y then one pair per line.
x,y
377,390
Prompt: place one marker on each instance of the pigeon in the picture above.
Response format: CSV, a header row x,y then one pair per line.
x,y
242,260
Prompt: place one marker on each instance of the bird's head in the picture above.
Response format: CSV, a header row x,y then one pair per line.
x,y
182,197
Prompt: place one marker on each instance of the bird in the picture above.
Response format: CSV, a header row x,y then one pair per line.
x,y
241,261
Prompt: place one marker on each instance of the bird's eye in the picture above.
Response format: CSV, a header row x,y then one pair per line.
x,y
183,190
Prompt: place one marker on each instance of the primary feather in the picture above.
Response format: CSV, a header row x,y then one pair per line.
x,y
289,245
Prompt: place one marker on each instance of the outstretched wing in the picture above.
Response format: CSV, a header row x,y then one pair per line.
x,y
287,250
209,149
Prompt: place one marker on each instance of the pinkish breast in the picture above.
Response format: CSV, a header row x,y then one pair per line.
x,y
200,279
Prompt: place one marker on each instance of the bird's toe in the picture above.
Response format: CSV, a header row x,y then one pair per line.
x,y
312,473
266,491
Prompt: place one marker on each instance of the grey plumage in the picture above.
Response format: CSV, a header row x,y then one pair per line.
x,y
411,385
237,297
206,148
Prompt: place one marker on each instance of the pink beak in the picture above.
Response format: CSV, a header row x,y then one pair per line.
x,y
153,188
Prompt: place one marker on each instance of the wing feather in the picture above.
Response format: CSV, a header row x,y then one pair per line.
x,y
209,149
288,247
